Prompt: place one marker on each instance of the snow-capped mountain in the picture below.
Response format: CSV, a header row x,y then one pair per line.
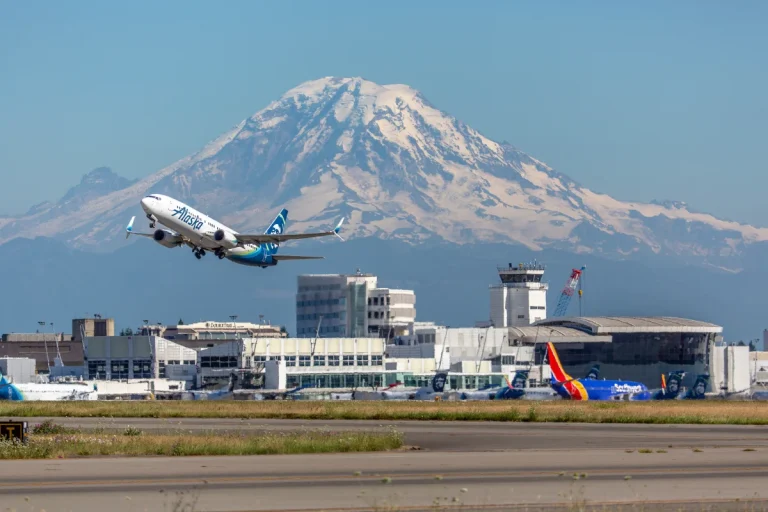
x,y
400,169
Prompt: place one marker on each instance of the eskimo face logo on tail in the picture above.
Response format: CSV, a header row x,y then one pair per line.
x,y
275,229
182,213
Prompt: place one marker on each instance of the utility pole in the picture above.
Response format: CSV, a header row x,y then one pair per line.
x,y
45,342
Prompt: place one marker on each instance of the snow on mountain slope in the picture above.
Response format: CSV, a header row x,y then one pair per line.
x,y
401,169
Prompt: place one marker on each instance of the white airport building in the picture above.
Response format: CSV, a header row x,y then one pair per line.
x,y
341,305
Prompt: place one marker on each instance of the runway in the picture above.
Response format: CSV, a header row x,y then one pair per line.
x,y
466,466
470,436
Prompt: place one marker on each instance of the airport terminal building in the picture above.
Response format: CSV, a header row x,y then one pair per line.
x,y
632,348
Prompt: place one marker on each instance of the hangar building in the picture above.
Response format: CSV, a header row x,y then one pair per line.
x,y
636,348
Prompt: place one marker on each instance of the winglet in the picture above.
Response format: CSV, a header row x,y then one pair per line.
x,y
129,227
337,229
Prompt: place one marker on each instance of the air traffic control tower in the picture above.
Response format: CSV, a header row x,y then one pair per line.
x,y
521,298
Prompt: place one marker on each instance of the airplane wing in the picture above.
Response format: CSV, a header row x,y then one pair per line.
x,y
287,257
129,230
278,238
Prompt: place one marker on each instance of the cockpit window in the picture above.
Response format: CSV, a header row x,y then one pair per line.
x,y
153,197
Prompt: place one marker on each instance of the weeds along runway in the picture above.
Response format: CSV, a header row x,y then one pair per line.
x,y
462,466
470,436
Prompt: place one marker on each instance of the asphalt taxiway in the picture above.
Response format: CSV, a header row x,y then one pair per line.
x,y
461,465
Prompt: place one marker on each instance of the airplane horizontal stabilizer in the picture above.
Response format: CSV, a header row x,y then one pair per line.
x,y
280,257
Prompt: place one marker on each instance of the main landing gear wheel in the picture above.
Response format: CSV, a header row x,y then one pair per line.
x,y
199,253
220,253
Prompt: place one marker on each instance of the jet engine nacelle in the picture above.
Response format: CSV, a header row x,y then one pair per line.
x,y
167,238
225,238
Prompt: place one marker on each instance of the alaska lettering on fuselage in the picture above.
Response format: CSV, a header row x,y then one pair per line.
x,y
183,225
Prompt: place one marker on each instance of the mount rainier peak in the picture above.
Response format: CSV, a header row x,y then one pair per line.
x,y
400,169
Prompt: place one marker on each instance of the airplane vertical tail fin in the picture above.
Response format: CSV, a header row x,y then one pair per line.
x,y
558,372
278,225
276,228
438,382
519,380
593,372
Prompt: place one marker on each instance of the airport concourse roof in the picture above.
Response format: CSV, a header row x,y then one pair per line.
x,y
625,324
556,334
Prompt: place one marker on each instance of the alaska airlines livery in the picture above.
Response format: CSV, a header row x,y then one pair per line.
x,y
592,388
189,227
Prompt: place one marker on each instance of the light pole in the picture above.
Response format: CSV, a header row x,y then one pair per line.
x,y
45,342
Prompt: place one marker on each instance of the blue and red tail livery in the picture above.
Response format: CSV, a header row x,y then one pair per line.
x,y
591,388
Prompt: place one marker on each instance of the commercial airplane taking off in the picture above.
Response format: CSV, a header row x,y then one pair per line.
x,y
189,227
592,388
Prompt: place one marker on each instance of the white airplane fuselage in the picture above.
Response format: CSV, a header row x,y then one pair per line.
x,y
201,230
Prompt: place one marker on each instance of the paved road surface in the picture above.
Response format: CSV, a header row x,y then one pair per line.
x,y
529,466
474,436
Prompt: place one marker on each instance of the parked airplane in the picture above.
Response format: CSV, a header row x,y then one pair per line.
x,y
436,387
516,390
673,385
46,392
591,389
187,226
670,386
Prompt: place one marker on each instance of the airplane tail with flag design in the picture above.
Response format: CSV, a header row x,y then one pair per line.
x,y
565,385
559,375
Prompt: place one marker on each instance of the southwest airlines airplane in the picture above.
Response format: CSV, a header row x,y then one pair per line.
x,y
591,388
189,227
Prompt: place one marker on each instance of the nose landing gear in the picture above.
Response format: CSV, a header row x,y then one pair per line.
x,y
152,221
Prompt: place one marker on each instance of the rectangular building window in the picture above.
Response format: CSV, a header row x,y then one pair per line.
x,y
362,360
142,369
318,361
507,360
290,360
333,360
376,360
349,360
97,370
120,369
304,361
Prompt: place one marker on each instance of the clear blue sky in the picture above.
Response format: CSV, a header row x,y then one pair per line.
x,y
641,100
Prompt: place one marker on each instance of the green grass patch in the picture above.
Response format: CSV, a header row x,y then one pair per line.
x,y
82,444
659,412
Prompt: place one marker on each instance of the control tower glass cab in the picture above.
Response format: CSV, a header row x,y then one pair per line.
x,y
521,298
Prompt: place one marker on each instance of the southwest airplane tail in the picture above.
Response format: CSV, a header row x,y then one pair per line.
x,y
564,384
